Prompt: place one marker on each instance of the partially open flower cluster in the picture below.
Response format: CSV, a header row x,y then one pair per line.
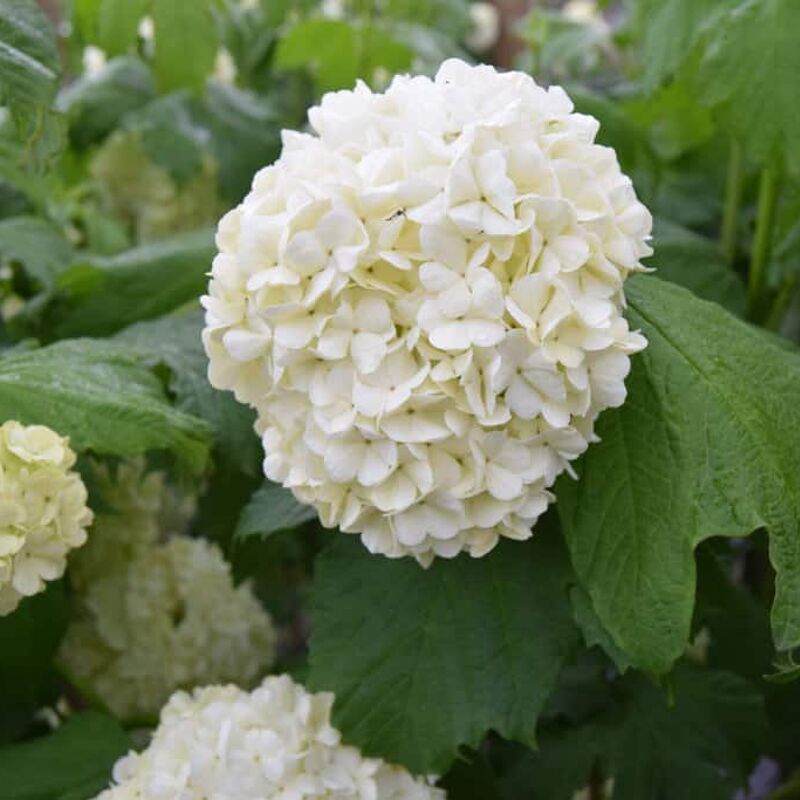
x,y
43,511
275,742
423,302
154,613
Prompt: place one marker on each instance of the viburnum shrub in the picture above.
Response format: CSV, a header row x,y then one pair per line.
x,y
534,348
423,299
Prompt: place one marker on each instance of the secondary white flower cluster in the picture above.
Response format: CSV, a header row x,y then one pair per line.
x,y
43,511
423,303
155,612
275,742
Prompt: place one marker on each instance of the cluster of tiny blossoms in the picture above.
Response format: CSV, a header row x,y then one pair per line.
x,y
423,302
43,511
155,612
275,742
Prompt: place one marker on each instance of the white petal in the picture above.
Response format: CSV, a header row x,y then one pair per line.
x,y
449,248
450,336
368,350
379,461
414,426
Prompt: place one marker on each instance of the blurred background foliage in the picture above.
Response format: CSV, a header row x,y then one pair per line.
x,y
128,126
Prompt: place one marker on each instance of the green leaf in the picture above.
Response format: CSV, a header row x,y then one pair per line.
x,y
383,50
749,75
175,342
244,129
117,24
695,262
170,136
37,246
72,763
270,510
669,31
562,765
704,446
423,661
594,634
328,46
102,295
94,105
29,66
338,52
701,746
84,18
102,397
186,43
675,122
29,639
732,616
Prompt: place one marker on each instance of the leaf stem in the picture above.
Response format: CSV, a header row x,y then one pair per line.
x,y
733,200
762,246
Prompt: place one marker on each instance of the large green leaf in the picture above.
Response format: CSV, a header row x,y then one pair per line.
x,y
270,510
423,661
102,295
29,68
749,74
706,445
72,763
175,342
186,43
101,396
700,746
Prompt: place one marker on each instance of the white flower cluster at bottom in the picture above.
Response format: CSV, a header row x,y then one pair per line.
x,y
275,743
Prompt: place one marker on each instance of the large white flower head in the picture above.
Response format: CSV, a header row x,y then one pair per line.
x,y
153,614
43,511
275,742
423,302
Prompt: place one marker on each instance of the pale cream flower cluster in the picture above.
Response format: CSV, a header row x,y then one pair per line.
x,y
43,511
276,742
155,611
423,302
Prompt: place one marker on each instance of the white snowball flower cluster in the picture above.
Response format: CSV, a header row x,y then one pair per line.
x,y
273,743
423,302
153,614
43,511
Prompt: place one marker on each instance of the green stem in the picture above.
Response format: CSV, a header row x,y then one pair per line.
x,y
733,201
780,304
765,220
367,11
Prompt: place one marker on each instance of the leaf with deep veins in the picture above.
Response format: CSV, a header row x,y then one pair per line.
x,y
706,445
423,661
